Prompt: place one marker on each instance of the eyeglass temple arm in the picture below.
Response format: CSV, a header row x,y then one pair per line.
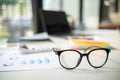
x,y
55,50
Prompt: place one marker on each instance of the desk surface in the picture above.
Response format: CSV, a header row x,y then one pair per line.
x,y
110,72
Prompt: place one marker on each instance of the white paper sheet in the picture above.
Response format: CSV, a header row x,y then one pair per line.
x,y
12,59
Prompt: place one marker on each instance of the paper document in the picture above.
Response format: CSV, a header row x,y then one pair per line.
x,y
13,60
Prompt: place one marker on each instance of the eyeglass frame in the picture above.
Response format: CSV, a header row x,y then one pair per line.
x,y
58,52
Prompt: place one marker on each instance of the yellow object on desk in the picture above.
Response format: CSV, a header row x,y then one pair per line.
x,y
83,43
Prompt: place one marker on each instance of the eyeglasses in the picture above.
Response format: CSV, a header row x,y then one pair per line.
x,y
70,59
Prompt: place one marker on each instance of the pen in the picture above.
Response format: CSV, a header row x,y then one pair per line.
x,y
25,50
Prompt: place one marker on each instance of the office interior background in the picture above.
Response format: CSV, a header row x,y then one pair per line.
x,y
17,16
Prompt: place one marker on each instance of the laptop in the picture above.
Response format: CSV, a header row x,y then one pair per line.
x,y
55,22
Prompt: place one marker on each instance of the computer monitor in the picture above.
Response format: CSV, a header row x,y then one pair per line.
x,y
55,22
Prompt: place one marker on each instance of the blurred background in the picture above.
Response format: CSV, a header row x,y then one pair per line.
x,y
20,17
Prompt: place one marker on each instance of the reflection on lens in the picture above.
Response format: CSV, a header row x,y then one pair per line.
x,y
98,57
69,59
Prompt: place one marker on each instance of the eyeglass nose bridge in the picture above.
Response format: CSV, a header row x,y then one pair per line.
x,y
84,54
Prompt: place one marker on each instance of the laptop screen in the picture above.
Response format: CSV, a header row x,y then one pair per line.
x,y
55,22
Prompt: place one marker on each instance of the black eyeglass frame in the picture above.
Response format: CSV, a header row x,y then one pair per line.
x,y
58,52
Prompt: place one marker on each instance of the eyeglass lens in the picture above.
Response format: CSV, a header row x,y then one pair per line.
x,y
97,58
69,59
